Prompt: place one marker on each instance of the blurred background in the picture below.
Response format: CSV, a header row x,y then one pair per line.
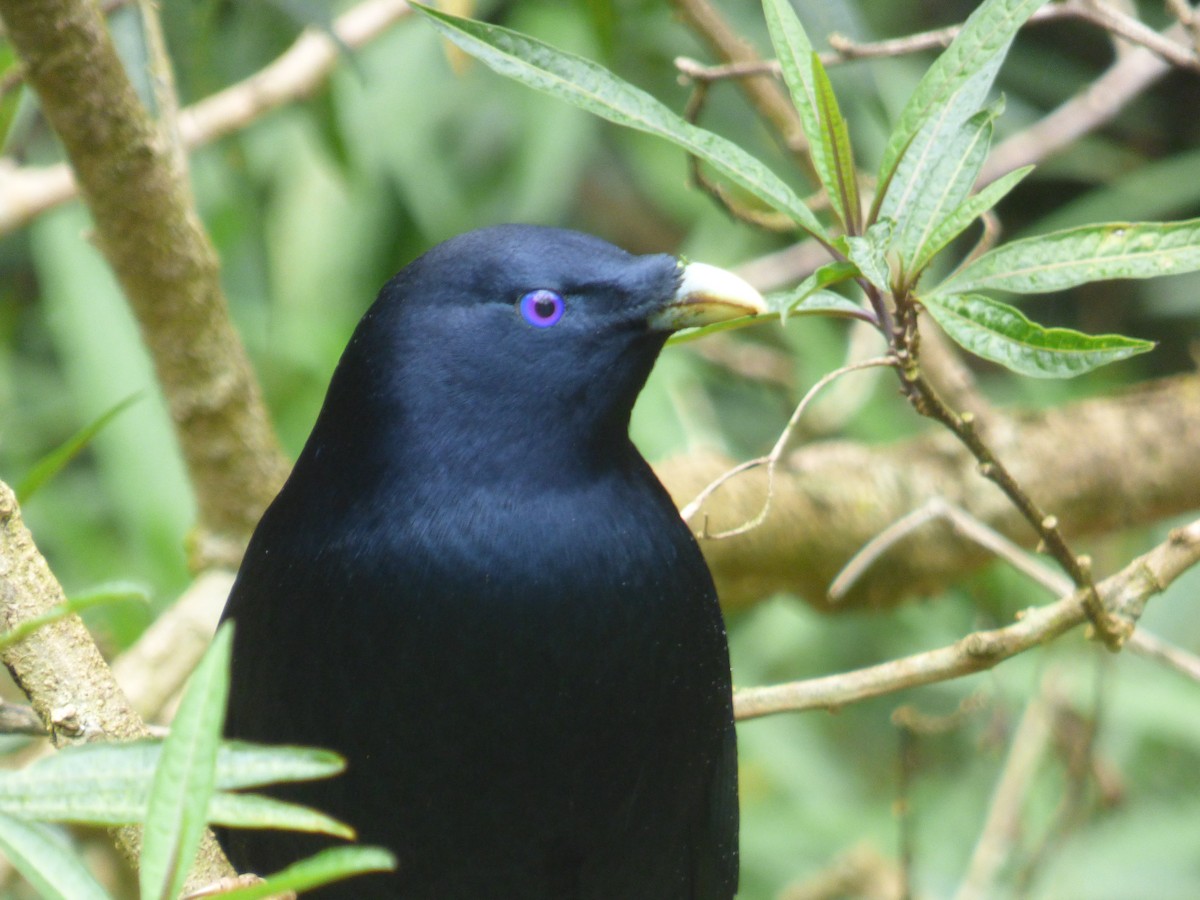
x,y
315,205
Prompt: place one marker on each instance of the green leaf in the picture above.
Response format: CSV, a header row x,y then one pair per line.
x,y
257,811
967,212
951,91
1063,259
812,287
948,177
56,460
109,783
186,776
688,335
869,252
46,862
327,866
102,596
241,765
593,88
835,148
828,303
821,120
997,332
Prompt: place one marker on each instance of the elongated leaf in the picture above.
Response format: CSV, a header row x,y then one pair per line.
x,y
820,118
951,91
1063,259
691,334
829,303
593,88
794,51
242,765
967,212
869,252
814,303
827,275
46,862
257,811
90,600
327,866
948,181
835,147
186,775
109,784
999,333
54,461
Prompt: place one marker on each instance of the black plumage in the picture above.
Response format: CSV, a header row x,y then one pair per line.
x,y
473,586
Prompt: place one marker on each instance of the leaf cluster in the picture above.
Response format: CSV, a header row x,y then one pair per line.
x,y
926,193
175,788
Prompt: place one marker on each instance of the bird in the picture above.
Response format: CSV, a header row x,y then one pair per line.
x,y
474,588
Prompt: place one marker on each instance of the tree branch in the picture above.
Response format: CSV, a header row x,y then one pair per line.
x,y
1123,594
148,229
27,192
62,672
765,95
1095,105
1131,461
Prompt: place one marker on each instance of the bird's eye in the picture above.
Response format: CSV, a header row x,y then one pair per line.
x,y
542,308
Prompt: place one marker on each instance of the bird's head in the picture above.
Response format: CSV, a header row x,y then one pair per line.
x,y
518,331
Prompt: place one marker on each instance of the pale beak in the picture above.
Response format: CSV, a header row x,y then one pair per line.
x,y
706,295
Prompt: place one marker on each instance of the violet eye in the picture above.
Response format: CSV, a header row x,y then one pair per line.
x,y
542,308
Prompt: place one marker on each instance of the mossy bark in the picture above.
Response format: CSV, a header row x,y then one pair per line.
x,y
147,227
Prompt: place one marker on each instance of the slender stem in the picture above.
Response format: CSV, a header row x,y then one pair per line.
x,y
927,402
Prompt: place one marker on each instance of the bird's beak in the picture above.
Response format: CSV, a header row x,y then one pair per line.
x,y
706,295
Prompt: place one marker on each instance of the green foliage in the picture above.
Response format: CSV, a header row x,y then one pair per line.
x,y
46,862
952,91
334,864
1003,335
175,788
811,295
596,90
822,121
939,234
101,596
47,467
185,776
1075,256
316,205
924,196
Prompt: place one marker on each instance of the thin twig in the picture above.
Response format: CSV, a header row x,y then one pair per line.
x,y
1188,18
1143,643
15,718
767,98
934,509
27,192
844,50
1075,735
1091,108
767,219
925,400
771,460
1144,577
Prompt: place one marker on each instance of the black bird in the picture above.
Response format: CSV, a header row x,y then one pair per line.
x,y
474,587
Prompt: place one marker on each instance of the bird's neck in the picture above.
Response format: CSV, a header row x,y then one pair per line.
x,y
437,441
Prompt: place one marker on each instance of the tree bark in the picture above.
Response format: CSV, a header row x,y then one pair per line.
x,y
146,225
63,674
1098,465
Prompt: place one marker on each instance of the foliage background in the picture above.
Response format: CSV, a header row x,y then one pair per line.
x,y
315,206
